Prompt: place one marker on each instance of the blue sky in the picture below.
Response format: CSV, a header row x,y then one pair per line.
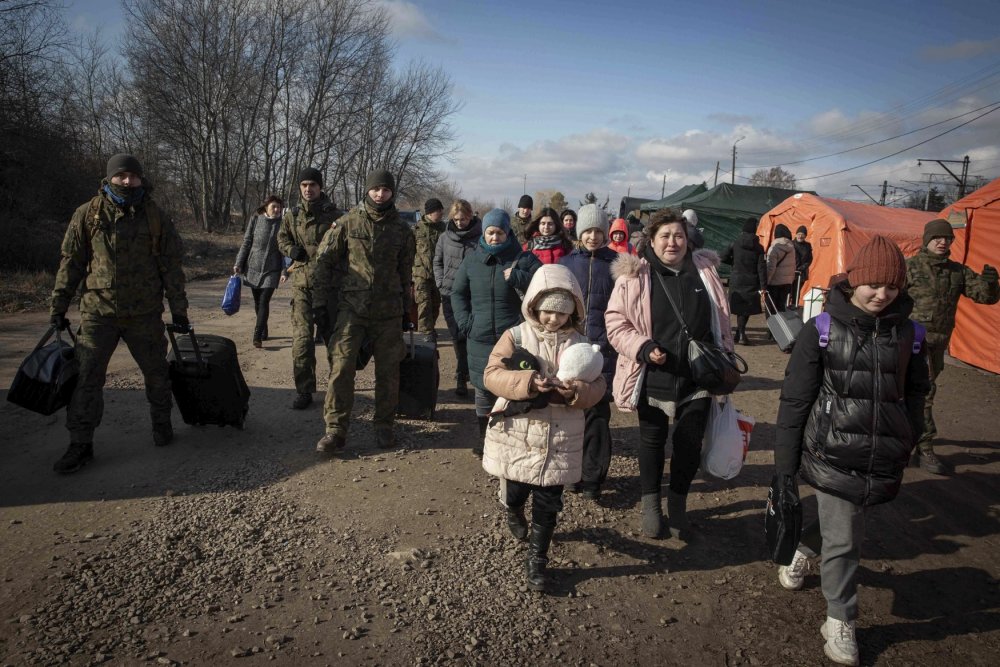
x,y
615,95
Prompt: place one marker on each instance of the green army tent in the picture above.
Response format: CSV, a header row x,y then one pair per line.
x,y
723,210
629,204
675,199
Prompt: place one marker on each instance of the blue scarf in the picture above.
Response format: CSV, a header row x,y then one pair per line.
x,y
496,249
133,197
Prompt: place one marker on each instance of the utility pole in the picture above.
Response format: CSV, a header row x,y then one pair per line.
x,y
734,158
927,199
716,181
663,188
524,188
960,180
885,187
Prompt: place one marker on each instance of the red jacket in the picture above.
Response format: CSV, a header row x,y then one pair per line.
x,y
549,255
620,225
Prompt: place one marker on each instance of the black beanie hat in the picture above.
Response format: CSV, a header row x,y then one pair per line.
x,y
526,202
938,228
781,232
123,162
433,205
380,177
802,230
311,174
750,225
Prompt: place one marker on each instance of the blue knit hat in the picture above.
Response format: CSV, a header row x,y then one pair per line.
x,y
497,218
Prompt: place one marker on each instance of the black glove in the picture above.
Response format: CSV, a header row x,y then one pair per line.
x,y
59,322
299,254
989,274
181,323
321,318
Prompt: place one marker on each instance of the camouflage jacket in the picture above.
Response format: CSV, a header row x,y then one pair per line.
x,y
936,283
124,271
365,264
427,234
519,228
304,226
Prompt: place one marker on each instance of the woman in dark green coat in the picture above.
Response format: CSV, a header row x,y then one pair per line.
x,y
486,300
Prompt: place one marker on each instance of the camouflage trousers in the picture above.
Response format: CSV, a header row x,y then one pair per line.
x,y
428,300
387,351
935,364
303,341
96,342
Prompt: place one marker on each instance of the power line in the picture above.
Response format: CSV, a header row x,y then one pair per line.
x,y
834,173
874,143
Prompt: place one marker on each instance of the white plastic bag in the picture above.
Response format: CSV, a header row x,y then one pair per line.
x,y
722,454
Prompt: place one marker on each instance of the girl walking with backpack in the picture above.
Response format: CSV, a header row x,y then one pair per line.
x,y
850,414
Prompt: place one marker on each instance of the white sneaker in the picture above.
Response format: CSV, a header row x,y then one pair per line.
x,y
791,576
841,646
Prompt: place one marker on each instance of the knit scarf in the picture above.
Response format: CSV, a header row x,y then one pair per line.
x,y
539,242
122,196
497,249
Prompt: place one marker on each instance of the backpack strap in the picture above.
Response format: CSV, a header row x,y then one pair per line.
x,y
823,326
516,333
92,222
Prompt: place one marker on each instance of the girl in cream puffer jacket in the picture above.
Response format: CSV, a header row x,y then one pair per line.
x,y
538,452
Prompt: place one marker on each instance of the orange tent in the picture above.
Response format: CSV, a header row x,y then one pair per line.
x,y
976,219
838,228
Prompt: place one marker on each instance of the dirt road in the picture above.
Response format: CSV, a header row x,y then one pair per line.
x,y
242,546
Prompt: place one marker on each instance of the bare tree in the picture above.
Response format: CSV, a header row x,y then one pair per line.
x,y
775,177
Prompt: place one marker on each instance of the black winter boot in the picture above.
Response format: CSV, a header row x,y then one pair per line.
x,y
516,522
77,456
680,528
477,449
541,538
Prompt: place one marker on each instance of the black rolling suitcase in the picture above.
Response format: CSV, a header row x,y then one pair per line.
x,y
206,380
419,377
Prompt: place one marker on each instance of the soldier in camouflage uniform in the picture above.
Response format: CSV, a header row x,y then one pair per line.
x,y
126,255
936,283
520,221
427,295
366,260
302,229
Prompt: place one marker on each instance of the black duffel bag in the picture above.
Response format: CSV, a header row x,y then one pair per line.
x,y
47,377
783,519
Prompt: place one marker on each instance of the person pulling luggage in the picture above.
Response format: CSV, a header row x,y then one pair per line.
x,y
364,268
125,254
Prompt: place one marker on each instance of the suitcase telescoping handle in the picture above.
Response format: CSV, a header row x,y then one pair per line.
x,y
173,328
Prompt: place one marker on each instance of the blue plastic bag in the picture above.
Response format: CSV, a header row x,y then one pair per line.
x,y
231,299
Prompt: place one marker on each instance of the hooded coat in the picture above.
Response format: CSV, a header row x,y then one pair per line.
x,y
543,447
749,275
259,258
624,246
485,303
850,414
630,324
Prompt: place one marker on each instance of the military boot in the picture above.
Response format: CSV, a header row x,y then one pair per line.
x,y
384,438
163,434
77,456
461,389
932,464
302,401
330,443
541,537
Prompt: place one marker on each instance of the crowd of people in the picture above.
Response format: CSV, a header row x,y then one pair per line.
x,y
855,402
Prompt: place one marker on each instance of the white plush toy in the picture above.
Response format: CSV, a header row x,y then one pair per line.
x,y
581,361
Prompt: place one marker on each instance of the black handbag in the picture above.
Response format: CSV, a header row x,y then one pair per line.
x,y
714,369
783,519
47,377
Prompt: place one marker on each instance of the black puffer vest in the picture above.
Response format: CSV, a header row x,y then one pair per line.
x,y
858,437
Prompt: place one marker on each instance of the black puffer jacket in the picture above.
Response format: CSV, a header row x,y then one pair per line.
x,y
749,274
851,414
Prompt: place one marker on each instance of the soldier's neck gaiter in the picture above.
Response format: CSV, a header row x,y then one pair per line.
x,y
123,196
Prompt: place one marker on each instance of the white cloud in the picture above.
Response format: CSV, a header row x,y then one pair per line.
x,y
962,50
408,21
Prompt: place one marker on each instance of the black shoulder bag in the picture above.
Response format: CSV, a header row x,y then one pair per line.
x,y
714,369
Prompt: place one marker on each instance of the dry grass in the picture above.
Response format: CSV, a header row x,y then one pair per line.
x,y
206,255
